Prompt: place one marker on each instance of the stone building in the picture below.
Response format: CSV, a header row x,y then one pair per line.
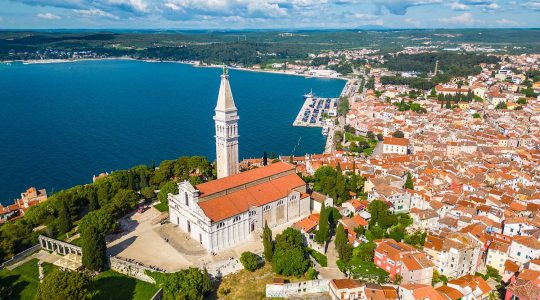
x,y
225,212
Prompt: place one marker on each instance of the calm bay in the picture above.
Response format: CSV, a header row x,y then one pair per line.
x,y
61,123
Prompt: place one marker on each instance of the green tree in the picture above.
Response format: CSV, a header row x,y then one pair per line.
x,y
169,187
409,182
250,261
188,284
397,233
94,249
131,181
341,236
501,105
365,251
101,219
148,192
522,101
433,92
476,116
64,218
268,243
63,285
93,203
398,134
321,236
290,257
142,179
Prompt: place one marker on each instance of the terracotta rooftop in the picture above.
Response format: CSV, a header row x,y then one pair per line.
x,y
226,206
218,185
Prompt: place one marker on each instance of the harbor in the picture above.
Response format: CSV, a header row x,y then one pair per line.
x,y
316,111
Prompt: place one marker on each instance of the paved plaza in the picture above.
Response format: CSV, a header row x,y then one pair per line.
x,y
171,249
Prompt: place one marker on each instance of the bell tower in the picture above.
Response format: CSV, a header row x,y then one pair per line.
x,y
226,122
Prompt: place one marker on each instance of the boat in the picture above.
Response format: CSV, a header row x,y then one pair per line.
x,y
309,95
325,130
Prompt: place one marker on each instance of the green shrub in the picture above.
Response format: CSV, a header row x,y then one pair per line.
x,y
311,274
250,261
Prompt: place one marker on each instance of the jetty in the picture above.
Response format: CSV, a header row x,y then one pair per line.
x,y
316,111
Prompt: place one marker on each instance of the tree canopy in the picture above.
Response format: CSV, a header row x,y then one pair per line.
x,y
290,257
63,285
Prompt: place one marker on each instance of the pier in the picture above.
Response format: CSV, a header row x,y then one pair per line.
x,y
316,111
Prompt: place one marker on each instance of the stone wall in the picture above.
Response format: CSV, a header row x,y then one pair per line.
x,y
131,269
297,289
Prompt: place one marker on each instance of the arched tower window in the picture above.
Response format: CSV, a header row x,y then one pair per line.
x,y
186,198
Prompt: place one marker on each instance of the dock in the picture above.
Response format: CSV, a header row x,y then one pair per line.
x,y
315,111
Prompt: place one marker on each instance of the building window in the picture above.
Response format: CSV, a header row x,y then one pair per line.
x,y
186,199
220,225
252,213
236,219
280,202
267,207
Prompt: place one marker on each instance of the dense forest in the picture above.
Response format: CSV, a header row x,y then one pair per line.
x,y
450,64
248,47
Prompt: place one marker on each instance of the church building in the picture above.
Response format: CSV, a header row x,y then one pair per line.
x,y
229,210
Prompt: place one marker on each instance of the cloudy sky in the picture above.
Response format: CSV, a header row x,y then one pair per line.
x,y
240,14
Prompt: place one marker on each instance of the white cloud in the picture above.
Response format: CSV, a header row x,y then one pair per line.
x,y
458,6
399,7
48,16
364,16
137,5
534,4
94,12
414,22
507,22
463,19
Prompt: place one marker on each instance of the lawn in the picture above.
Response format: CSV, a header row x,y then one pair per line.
x,y
249,285
162,207
24,279
107,285
366,270
319,257
113,285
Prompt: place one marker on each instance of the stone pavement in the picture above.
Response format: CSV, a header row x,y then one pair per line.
x,y
169,248
331,271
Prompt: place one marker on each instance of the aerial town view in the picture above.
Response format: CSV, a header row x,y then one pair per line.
x,y
338,149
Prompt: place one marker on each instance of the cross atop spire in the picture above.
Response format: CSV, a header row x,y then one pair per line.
x,y
225,101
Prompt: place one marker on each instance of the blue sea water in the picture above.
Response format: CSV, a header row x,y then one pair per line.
x,y
62,123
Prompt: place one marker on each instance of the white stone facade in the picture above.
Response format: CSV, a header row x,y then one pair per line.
x,y
226,125
185,212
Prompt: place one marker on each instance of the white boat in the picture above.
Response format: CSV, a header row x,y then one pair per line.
x,y
309,95
325,130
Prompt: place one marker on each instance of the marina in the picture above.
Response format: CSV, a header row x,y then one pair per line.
x,y
316,112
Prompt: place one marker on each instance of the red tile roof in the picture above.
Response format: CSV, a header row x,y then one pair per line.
x,y
240,201
218,185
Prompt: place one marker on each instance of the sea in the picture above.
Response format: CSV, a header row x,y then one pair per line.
x,y
61,123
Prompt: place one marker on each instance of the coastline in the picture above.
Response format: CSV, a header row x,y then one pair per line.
x,y
192,63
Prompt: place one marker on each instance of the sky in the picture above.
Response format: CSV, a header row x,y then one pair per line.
x,y
267,14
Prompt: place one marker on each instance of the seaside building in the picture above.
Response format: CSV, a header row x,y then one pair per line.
x,y
226,122
233,208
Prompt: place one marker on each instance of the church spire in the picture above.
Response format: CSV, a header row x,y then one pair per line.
x,y
226,122
225,101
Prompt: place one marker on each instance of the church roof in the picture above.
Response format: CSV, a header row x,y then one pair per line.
x,y
225,183
225,100
256,194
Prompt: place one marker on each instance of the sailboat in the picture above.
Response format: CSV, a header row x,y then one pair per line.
x,y
309,95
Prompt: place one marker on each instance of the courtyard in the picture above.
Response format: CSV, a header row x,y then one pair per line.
x,y
145,241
